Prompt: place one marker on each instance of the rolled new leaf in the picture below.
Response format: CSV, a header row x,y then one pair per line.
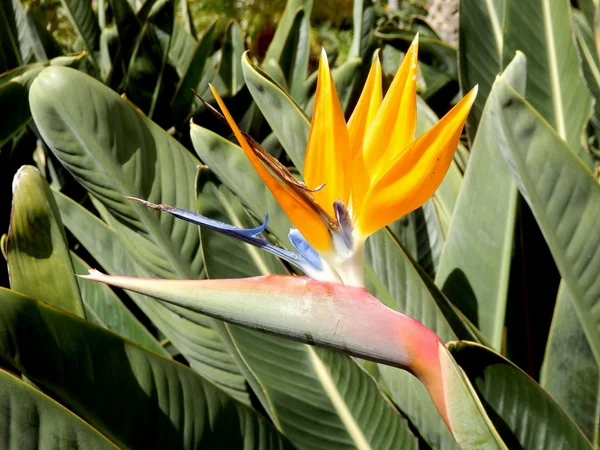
x,y
337,317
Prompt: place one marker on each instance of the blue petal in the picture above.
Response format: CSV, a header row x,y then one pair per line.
x,y
246,235
305,249
212,224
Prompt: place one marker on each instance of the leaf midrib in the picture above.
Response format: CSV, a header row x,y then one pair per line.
x,y
557,101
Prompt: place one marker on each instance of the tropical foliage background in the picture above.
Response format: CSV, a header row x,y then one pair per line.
x,y
502,263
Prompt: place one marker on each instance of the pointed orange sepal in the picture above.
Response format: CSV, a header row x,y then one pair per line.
x,y
310,224
326,160
415,174
363,115
393,128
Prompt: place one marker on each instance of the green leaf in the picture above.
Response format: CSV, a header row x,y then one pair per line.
x,y
136,398
127,25
563,195
182,49
36,41
84,21
30,420
113,150
569,372
481,40
104,308
146,77
363,23
14,91
184,96
13,51
186,17
471,426
524,414
198,342
431,47
37,250
332,396
290,46
230,68
590,63
475,264
588,7
284,116
541,29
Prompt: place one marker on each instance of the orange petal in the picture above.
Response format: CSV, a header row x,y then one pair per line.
x,y
326,160
302,215
394,126
361,119
416,173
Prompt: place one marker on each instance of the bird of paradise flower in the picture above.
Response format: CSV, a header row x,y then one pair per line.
x,y
358,177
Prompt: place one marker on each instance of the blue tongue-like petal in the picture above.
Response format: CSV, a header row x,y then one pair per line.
x,y
212,224
248,235
305,249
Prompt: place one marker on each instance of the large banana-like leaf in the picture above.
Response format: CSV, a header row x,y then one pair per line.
x,y
13,52
530,418
290,46
475,264
345,407
146,76
113,150
570,372
363,23
84,21
136,398
230,68
588,7
38,255
542,30
563,195
590,61
184,96
480,45
30,420
196,341
14,91
182,49
104,308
